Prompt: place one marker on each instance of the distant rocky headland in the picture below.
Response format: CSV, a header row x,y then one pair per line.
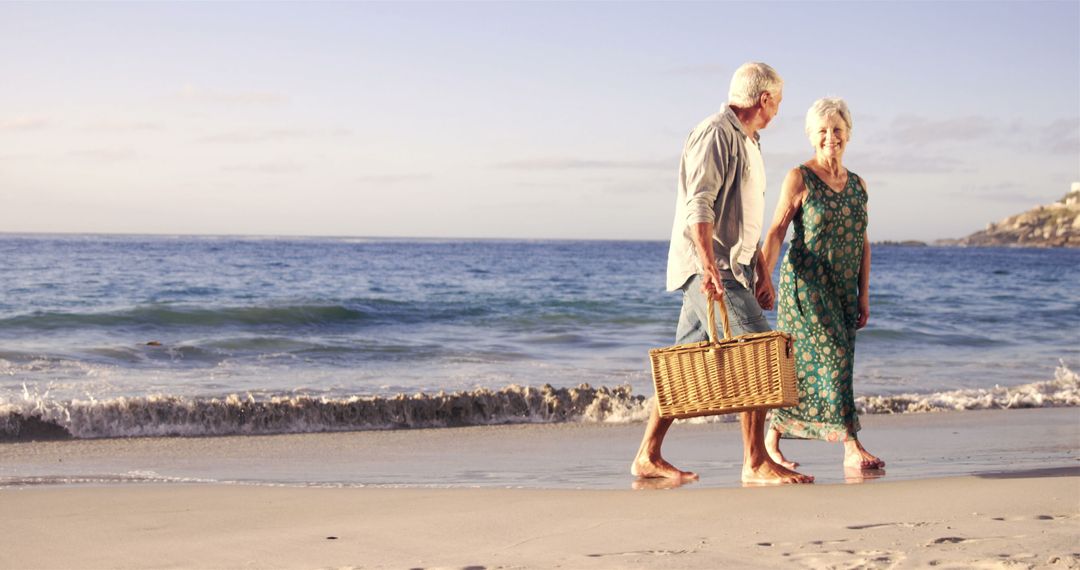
x,y
1055,225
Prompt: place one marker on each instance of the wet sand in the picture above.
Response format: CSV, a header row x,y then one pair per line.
x,y
574,456
961,491
1019,521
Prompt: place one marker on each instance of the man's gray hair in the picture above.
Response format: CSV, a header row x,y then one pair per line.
x,y
827,106
750,81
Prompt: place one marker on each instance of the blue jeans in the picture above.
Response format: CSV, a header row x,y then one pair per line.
x,y
744,313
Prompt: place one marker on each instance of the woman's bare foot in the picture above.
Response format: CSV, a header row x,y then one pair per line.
x,y
772,446
770,473
856,456
646,468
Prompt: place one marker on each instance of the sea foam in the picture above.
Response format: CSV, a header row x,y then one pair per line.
x,y
162,415
38,417
1063,390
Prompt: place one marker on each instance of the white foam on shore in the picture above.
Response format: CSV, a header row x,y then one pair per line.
x,y
1063,390
106,479
162,415
39,417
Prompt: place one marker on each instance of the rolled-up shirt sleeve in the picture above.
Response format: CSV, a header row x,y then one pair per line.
x,y
703,176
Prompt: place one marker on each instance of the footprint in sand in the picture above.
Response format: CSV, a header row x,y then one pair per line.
x,y
639,553
965,540
877,525
948,540
823,542
862,559
474,567
1038,518
1003,562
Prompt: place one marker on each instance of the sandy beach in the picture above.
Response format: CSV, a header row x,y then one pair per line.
x,y
1025,520
528,497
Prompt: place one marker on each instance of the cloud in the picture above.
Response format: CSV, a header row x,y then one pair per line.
x,y
641,187
24,123
1006,192
904,163
703,69
393,178
270,167
578,164
104,154
194,94
785,160
870,164
911,129
784,124
18,157
266,135
1026,194
122,126
1063,136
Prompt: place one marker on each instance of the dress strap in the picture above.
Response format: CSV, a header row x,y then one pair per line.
x,y
810,180
855,180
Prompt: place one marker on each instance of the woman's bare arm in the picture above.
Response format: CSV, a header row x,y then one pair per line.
x,y
792,195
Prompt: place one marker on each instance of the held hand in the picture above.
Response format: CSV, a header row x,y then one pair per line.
x,y
864,311
766,295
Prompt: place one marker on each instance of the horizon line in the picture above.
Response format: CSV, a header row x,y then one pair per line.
x,y
4,233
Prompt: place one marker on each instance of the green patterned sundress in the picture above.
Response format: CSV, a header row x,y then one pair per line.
x,y
818,304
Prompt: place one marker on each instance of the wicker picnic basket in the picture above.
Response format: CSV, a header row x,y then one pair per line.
x,y
749,372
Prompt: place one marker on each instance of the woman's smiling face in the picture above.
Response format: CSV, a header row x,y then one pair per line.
x,y
830,136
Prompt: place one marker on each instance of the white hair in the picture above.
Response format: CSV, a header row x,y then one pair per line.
x,y
750,81
823,108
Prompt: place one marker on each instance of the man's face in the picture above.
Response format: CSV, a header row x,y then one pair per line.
x,y
770,106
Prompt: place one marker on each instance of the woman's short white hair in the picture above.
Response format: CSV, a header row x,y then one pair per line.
x,y
823,108
750,81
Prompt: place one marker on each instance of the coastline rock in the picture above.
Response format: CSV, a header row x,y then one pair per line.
x,y
1054,225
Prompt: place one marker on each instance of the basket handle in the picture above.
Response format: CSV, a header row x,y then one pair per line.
x,y
723,317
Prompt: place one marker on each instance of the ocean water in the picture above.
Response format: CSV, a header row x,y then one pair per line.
x,y
104,336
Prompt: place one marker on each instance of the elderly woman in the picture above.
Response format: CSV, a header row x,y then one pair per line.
x,y
824,287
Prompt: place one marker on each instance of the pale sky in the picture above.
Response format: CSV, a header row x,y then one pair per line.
x,y
514,120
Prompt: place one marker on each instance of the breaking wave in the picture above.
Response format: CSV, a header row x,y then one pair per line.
x,y
162,415
235,415
1063,390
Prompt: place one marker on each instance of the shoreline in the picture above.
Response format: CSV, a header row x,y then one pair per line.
x,y
974,489
543,456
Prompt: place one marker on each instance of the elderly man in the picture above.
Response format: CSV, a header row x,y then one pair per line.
x,y
714,251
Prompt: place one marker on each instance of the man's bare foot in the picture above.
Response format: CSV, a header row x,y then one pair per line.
x,y
772,446
771,473
654,468
856,456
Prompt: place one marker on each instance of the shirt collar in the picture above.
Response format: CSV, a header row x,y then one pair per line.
x,y
730,115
